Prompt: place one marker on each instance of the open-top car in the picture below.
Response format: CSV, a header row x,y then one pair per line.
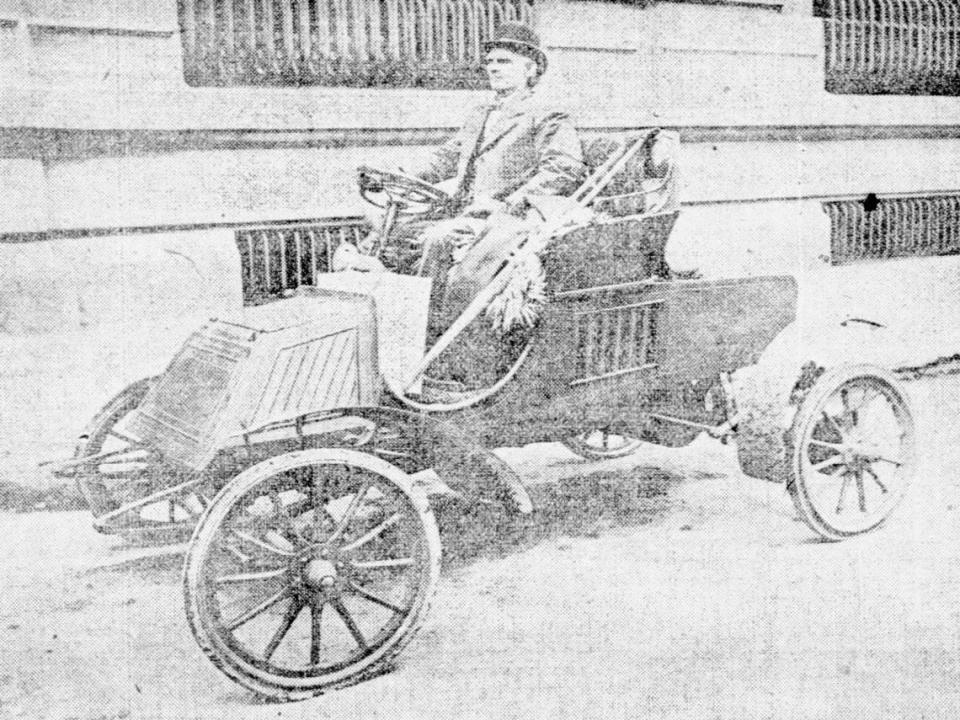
x,y
304,440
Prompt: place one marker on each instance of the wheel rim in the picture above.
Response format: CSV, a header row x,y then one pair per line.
x,y
856,455
128,471
602,444
312,576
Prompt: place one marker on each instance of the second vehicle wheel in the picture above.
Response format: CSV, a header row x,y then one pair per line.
x,y
310,571
851,451
602,444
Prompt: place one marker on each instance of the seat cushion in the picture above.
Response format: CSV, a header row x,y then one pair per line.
x,y
596,152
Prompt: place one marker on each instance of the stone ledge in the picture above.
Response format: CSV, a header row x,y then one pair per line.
x,y
149,15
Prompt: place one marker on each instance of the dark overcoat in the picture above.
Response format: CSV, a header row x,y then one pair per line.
x,y
530,148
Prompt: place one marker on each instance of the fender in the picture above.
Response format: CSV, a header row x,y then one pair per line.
x,y
469,467
464,464
767,393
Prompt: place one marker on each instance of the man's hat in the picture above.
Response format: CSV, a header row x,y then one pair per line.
x,y
521,39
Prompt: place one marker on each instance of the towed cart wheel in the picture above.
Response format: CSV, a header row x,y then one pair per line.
x,y
851,451
125,485
602,444
310,571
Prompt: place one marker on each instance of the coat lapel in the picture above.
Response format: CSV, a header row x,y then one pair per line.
x,y
509,118
478,138
471,139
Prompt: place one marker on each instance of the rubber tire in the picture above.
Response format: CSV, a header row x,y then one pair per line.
x,y
260,681
93,435
810,409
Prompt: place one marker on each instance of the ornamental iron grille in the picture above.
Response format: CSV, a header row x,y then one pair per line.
x,y
897,47
357,43
278,258
893,227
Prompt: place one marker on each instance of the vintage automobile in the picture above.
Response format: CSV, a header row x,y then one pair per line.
x,y
306,441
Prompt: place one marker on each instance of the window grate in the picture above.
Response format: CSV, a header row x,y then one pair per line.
x,y
359,43
893,227
909,47
278,258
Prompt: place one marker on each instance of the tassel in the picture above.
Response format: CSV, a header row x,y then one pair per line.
x,y
520,303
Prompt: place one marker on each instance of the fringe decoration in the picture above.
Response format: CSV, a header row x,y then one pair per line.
x,y
522,300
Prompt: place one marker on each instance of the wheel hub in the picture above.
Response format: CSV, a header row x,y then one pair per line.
x,y
320,574
856,457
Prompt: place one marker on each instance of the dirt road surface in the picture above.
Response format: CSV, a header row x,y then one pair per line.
x,y
661,586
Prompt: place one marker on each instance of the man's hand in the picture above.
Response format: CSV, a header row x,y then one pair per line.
x,y
369,243
346,257
369,183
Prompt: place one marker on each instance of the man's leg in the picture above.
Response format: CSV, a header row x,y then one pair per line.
x,y
441,240
480,355
439,243
475,265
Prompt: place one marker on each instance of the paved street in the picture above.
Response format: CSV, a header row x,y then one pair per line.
x,y
665,585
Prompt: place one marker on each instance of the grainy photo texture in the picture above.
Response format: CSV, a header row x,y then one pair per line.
x,y
538,359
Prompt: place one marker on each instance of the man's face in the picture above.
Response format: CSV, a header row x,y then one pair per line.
x,y
508,71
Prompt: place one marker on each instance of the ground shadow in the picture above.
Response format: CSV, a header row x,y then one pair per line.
x,y
22,498
154,569
581,506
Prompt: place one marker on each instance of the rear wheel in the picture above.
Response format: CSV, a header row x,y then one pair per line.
x,y
602,444
851,451
310,571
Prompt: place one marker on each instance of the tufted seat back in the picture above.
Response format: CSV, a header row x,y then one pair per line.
x,y
646,180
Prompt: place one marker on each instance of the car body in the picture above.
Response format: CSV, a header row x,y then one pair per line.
x,y
301,446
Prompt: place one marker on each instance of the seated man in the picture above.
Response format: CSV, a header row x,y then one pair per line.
x,y
510,152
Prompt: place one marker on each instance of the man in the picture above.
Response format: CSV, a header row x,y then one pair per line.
x,y
510,154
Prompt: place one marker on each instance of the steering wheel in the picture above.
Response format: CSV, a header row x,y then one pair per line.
x,y
409,195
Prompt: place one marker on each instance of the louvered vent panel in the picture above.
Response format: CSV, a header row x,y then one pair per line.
x,y
614,341
314,375
179,411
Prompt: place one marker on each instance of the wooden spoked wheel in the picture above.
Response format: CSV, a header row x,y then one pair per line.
x,y
602,444
852,455
123,472
310,571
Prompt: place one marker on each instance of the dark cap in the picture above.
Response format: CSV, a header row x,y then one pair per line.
x,y
521,39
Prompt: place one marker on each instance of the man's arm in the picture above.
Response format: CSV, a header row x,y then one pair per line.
x,y
560,167
442,163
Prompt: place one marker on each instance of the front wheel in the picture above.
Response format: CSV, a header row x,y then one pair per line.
x,y
851,451
310,571
128,488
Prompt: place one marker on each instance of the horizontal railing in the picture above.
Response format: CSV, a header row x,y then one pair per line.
x,y
278,258
890,227
398,43
892,46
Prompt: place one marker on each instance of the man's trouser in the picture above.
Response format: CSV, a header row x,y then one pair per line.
x,y
461,254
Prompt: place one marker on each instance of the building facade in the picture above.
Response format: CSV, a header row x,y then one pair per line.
x,y
162,161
